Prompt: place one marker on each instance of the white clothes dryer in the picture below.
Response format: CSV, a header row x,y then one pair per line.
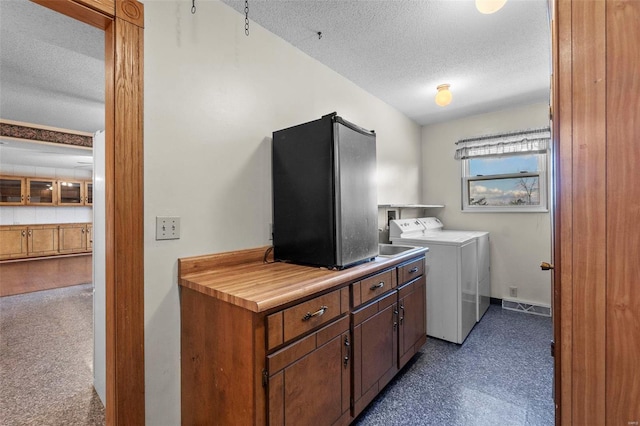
x,y
458,274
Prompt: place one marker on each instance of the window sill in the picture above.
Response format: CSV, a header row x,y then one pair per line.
x,y
504,210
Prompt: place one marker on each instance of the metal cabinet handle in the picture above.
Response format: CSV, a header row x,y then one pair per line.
x,y
413,270
395,323
28,198
30,232
24,233
346,357
402,316
377,286
317,313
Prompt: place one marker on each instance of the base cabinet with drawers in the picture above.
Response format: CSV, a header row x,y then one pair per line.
x,y
28,241
318,359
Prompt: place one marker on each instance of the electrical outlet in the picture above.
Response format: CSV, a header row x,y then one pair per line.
x,y
167,227
513,291
391,215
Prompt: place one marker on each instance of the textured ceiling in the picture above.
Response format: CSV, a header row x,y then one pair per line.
x,y
52,67
401,50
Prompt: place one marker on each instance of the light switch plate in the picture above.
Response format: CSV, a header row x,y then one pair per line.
x,y
167,227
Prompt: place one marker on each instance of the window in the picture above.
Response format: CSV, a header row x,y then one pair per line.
x,y
498,175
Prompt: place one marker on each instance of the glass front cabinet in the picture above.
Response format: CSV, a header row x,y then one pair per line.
x,y
88,193
70,193
12,191
41,192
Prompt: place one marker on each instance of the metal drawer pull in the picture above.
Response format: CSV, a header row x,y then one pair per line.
x,y
377,286
413,270
317,313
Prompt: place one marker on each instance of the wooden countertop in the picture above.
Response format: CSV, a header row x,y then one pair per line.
x,y
243,279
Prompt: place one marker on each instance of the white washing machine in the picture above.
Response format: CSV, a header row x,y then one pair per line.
x,y
454,302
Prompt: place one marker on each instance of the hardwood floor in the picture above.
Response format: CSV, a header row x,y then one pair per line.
x,y
26,276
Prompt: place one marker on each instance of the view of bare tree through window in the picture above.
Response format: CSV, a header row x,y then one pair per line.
x,y
504,181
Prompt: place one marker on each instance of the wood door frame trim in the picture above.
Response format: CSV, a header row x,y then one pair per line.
x,y
122,21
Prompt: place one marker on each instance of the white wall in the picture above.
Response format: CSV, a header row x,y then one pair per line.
x,y
30,215
212,99
519,241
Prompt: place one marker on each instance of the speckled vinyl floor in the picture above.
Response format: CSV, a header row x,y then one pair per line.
x,y
46,356
502,375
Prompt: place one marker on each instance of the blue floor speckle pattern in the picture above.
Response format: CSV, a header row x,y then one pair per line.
x,y
502,375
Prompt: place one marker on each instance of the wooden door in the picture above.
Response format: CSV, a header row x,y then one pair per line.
x,y
412,319
309,380
375,350
13,242
596,62
42,240
72,238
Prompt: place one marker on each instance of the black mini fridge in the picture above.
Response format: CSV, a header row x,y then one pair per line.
x,y
324,193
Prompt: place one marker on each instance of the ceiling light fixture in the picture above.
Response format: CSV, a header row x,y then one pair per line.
x,y
489,6
443,97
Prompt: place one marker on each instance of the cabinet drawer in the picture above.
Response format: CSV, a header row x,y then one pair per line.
x,y
410,271
374,286
298,319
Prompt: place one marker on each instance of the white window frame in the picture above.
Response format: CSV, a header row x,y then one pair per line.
x,y
542,174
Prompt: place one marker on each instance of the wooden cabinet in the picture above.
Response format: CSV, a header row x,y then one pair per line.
x,y
38,191
388,332
12,191
13,242
42,240
88,193
73,238
89,233
41,192
412,333
317,354
375,350
70,193
309,380
24,241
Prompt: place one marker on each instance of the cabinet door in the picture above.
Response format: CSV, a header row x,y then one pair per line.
x,y
42,240
12,191
309,379
412,319
375,339
89,243
13,242
70,193
88,193
41,192
72,238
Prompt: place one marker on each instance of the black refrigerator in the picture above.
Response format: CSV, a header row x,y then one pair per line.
x,y
325,209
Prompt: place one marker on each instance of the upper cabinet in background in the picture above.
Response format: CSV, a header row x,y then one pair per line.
x,y
33,191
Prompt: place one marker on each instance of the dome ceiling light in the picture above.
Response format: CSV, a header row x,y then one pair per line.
x,y
489,6
443,97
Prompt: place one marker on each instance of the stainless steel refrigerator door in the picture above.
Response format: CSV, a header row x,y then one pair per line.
x,y
356,195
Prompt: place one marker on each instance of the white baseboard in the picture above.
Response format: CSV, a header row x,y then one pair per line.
x,y
526,307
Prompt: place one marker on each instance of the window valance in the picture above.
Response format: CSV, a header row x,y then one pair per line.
x,y
526,141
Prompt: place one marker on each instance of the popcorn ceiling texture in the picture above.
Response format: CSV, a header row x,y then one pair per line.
x,y
399,51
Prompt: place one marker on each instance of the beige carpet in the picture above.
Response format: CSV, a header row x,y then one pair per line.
x,y
46,356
